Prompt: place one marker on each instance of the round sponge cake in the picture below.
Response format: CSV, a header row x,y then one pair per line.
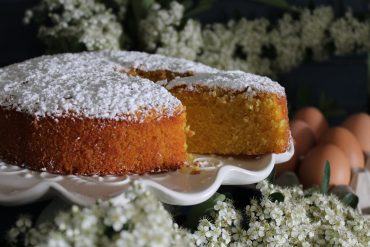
x,y
113,113
79,114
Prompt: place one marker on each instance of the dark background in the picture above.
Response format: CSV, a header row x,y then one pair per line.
x,y
18,42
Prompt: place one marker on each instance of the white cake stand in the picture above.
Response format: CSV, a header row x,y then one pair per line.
x,y
182,187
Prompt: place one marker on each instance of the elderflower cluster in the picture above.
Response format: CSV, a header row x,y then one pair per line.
x,y
136,218
75,25
218,47
350,34
224,227
315,24
160,32
257,46
306,218
303,218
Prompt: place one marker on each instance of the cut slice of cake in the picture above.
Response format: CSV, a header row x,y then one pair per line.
x,y
233,113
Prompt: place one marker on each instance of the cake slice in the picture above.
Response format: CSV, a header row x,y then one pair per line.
x,y
233,113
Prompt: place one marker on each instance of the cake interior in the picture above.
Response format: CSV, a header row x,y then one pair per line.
x,y
231,123
157,75
227,122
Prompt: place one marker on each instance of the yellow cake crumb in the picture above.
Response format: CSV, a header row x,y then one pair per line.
x,y
226,122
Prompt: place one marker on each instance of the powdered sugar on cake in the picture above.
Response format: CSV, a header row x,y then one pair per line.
x,y
87,84
151,62
229,80
93,85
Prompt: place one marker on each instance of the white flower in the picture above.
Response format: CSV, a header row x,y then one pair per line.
x,y
315,25
304,218
256,46
137,218
115,218
161,32
55,240
75,25
350,34
219,46
24,221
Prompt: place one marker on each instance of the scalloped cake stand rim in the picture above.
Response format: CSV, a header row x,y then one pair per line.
x,y
21,186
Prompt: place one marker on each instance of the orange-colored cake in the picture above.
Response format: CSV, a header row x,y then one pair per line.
x,y
234,113
86,146
110,113
79,114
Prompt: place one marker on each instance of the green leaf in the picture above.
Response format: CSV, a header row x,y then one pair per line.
x,y
271,177
201,210
200,7
326,179
276,196
350,199
281,4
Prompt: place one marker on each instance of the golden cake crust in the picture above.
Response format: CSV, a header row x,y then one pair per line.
x,y
79,114
70,145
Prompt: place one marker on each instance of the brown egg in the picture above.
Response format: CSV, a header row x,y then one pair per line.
x,y
303,136
359,125
346,141
311,169
315,120
304,140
